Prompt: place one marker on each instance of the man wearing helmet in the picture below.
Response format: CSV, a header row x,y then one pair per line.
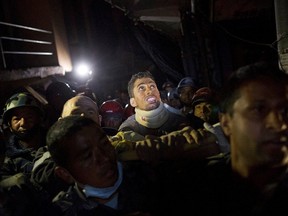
x,y
186,89
24,134
23,118
112,114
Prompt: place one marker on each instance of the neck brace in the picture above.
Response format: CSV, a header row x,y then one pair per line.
x,y
152,118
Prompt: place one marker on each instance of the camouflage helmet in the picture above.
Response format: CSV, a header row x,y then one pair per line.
x,y
22,99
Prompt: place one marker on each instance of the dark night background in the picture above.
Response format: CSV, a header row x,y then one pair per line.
x,y
207,45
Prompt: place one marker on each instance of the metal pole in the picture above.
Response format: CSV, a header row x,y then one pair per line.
x,y
281,8
25,27
2,54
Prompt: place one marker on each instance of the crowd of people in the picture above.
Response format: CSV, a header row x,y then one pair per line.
x,y
181,149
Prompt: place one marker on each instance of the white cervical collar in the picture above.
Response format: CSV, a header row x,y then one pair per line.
x,y
153,118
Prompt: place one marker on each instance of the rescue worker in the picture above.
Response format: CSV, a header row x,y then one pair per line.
x,y
112,114
25,133
186,89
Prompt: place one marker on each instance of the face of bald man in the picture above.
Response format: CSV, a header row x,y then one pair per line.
x,y
81,105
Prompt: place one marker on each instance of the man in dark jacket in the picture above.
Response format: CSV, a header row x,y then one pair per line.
x,y
105,186
25,133
253,179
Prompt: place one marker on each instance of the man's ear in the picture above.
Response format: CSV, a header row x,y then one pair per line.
x,y
133,102
225,123
64,174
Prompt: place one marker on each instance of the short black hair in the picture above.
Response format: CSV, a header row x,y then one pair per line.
x,y
230,91
139,75
60,131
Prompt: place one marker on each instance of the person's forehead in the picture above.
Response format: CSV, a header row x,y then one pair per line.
x,y
86,137
83,109
83,102
24,110
263,91
265,84
187,89
144,80
202,103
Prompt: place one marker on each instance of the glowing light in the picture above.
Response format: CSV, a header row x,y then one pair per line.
x,y
83,70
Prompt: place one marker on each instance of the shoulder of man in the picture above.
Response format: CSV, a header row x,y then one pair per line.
x,y
128,124
43,174
72,202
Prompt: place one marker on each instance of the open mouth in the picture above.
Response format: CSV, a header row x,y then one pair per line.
x,y
277,145
151,100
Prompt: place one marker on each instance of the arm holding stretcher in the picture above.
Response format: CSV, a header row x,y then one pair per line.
x,y
188,142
